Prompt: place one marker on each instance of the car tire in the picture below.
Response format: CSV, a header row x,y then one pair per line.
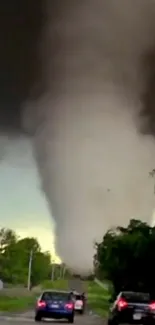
x,y
38,318
71,319
112,322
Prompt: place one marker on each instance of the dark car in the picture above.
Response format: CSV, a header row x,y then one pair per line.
x,y
55,304
132,308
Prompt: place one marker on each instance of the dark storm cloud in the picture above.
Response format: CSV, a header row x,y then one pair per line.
x,y
20,70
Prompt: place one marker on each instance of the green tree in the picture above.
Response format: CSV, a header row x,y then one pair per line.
x,y
126,257
41,267
7,237
14,259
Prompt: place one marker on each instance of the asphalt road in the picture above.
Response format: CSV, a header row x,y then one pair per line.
x,y
77,285
27,319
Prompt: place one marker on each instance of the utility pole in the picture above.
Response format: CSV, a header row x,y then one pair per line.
x,y
64,271
30,270
53,271
60,268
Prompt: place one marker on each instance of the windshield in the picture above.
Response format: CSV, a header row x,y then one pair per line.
x,y
63,296
78,297
136,297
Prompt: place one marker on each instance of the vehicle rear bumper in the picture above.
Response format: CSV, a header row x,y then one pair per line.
x,y
55,315
144,320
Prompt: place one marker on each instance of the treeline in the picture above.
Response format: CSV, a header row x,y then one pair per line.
x,y
126,257
14,260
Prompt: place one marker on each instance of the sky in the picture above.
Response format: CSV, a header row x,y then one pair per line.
x,y
23,206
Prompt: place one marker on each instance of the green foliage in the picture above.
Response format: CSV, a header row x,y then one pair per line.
x,y
126,257
98,298
14,259
16,303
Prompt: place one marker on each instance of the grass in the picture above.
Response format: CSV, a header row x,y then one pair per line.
x,y
16,301
57,284
98,299
20,299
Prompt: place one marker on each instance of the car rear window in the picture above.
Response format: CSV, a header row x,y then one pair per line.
x,y
78,297
136,297
63,296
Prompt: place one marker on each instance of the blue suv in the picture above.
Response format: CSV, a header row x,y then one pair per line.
x,y
55,305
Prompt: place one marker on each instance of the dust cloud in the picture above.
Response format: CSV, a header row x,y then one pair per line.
x,y
92,121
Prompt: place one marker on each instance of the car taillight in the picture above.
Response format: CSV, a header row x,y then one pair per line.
x,y
41,304
69,306
152,305
122,304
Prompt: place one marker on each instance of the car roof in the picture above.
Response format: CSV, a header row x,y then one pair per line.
x,y
77,293
56,291
134,292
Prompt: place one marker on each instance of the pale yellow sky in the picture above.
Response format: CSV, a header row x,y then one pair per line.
x,y
44,237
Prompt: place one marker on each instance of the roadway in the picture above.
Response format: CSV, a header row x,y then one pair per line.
x,y
27,319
